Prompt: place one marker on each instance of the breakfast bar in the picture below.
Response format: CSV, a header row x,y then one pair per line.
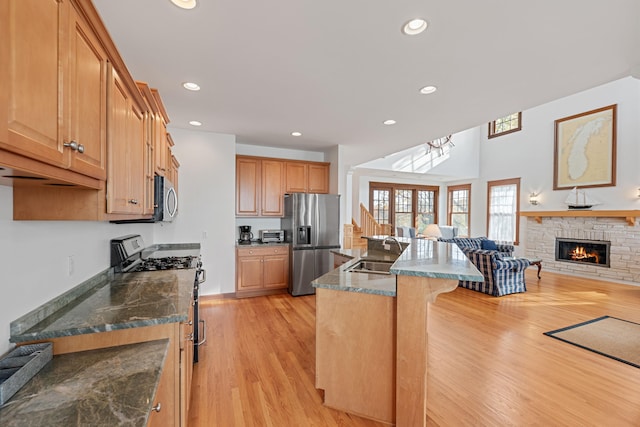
x,y
371,328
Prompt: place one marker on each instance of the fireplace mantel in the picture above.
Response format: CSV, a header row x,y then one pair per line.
x,y
629,216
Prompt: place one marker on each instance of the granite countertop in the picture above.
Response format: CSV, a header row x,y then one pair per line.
x,y
422,258
106,387
108,302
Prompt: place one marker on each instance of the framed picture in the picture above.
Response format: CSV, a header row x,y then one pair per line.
x,y
585,150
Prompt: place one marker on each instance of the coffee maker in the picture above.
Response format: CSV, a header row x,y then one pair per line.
x,y
245,235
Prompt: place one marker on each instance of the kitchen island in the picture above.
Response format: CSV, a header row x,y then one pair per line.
x,y
371,329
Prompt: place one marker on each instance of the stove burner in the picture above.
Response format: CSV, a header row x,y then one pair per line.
x,y
169,263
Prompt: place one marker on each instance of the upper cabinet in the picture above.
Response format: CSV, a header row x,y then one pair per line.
x,y
262,182
55,83
126,178
79,138
307,177
259,186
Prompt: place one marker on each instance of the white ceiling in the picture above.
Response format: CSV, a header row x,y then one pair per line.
x,y
335,70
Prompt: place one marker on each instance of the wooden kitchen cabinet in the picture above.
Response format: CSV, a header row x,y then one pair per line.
x,y
55,84
261,270
307,177
259,187
126,177
162,147
186,365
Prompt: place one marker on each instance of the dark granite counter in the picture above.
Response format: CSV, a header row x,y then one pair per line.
x,y
109,302
421,258
109,387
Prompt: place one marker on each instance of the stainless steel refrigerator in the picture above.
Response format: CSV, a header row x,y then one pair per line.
x,y
311,225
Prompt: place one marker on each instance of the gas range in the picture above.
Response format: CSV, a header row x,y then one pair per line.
x,y
129,255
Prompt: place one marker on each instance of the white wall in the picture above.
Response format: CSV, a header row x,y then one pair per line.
x,y
34,265
207,204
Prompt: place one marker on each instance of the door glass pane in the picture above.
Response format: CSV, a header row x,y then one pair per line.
x,y
426,210
404,214
381,206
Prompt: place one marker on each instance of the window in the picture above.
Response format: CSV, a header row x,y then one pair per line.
x,y
503,210
458,208
379,205
403,205
505,125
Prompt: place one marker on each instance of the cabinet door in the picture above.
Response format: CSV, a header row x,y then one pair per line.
x,y
272,188
166,416
32,78
318,181
85,98
126,172
249,270
296,178
276,271
247,187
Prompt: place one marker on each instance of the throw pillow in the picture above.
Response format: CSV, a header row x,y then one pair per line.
x,y
489,245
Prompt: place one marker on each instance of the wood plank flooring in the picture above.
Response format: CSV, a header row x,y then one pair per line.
x,y
489,362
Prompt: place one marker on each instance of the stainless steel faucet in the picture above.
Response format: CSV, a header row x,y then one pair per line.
x,y
393,239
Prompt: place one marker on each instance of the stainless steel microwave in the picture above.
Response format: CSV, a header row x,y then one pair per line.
x,y
165,203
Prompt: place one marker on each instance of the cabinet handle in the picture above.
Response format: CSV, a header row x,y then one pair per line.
x,y
74,146
157,408
133,201
204,333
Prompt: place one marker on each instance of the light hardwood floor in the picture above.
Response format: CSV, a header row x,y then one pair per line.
x,y
489,362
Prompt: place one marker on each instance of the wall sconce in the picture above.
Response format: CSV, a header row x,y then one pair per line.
x,y
533,198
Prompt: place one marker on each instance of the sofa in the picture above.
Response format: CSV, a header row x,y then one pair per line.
x,y
503,275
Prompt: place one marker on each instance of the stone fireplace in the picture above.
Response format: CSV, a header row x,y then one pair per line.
x,y
583,251
620,236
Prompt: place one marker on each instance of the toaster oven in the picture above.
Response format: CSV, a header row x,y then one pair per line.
x,y
271,236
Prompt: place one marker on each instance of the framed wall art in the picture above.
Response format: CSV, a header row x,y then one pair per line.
x,y
585,149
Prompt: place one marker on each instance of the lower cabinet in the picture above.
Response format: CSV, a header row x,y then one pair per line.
x,y
174,389
262,270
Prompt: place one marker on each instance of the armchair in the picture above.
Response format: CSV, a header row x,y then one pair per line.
x,y
501,276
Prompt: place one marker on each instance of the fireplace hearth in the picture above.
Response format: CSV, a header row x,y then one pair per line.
x,y
583,251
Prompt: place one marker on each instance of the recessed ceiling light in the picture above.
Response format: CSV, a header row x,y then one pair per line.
x,y
296,133
184,4
389,122
195,123
414,27
428,89
191,86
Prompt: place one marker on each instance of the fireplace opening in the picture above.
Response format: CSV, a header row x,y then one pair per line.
x,y
583,251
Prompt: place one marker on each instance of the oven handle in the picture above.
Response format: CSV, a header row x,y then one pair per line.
x,y
202,277
204,333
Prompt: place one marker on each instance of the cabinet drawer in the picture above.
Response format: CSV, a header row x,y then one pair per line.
x,y
260,251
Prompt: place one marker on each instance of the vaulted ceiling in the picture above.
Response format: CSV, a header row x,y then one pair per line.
x,y
335,70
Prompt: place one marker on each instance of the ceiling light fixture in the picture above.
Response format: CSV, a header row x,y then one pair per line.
x,y
184,4
389,122
191,86
428,89
414,27
195,123
296,134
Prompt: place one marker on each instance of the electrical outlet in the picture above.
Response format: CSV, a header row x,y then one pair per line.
x,y
71,265
204,235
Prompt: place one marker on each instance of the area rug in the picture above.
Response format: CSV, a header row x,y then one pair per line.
x,y
612,337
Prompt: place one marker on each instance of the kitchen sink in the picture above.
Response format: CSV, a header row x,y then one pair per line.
x,y
372,267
